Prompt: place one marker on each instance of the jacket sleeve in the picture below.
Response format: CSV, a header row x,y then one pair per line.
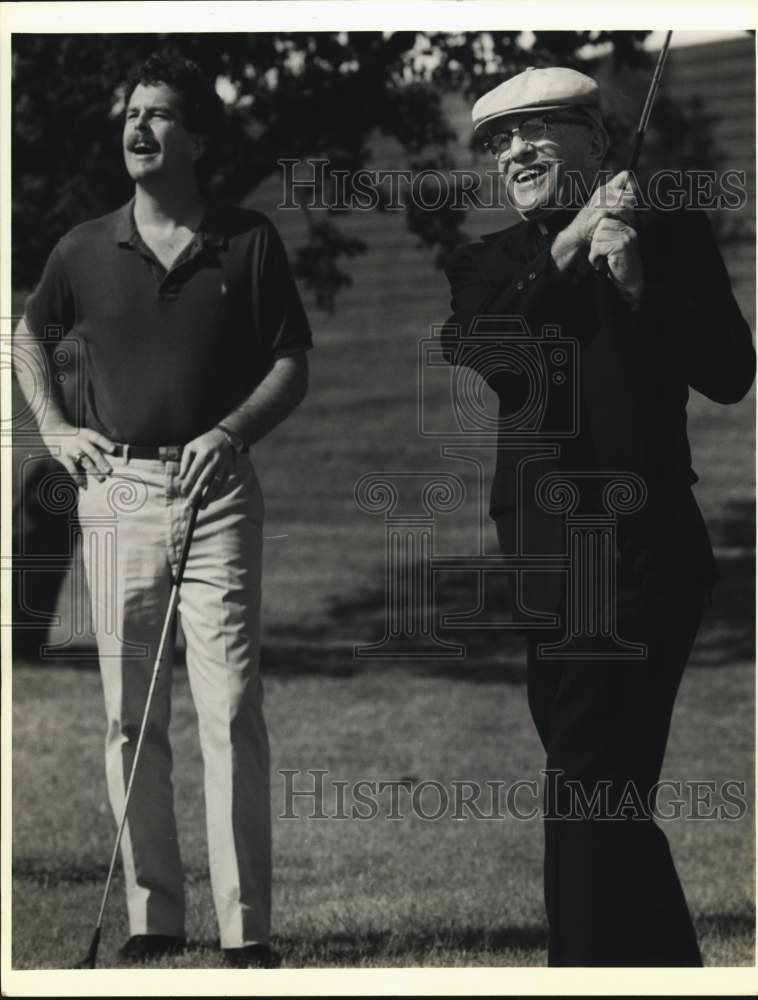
x,y
709,334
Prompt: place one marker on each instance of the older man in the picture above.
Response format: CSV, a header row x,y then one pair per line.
x,y
648,300
194,340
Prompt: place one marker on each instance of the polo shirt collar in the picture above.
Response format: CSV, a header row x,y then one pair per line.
x,y
210,232
125,229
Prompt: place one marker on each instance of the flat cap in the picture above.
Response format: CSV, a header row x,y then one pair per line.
x,y
536,90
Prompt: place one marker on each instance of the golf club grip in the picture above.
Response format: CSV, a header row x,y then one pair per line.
x,y
194,508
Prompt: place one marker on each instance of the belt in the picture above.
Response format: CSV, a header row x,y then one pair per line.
x,y
153,453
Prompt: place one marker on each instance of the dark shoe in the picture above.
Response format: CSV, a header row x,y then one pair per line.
x,y
143,947
252,956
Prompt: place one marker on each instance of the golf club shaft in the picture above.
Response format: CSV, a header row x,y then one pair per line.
x,y
647,108
639,135
170,612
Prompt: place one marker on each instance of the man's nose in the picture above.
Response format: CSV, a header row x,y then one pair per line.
x,y
519,146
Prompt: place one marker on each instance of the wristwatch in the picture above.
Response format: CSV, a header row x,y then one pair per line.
x,y
234,439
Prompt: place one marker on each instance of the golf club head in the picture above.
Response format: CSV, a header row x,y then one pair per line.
x,y
90,959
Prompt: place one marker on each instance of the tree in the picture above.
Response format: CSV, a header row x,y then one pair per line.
x,y
293,96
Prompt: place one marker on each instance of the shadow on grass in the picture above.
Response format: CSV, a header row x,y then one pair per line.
x,y
376,946
345,948
491,654
373,946
726,637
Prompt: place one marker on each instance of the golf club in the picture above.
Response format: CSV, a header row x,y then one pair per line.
x,y
88,962
639,135
647,108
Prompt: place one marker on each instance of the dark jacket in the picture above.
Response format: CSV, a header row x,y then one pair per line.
x,y
634,368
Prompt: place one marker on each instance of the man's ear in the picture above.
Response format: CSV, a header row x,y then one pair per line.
x,y
598,145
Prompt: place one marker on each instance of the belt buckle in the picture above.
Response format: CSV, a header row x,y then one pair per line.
x,y
170,453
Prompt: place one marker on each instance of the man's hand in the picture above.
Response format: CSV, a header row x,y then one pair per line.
x,y
614,200
82,452
206,464
616,242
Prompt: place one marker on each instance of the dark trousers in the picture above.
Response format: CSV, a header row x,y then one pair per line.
x,y
612,893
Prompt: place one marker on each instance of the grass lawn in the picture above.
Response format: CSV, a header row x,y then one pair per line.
x,y
361,892
381,892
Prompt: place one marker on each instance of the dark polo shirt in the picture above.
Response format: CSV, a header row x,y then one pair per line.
x,y
168,354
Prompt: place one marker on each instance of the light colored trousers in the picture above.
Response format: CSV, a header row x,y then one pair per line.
x,y
132,526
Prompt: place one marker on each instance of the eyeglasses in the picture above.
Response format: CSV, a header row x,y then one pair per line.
x,y
530,130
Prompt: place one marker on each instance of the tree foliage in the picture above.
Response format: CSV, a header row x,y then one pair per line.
x,y
293,96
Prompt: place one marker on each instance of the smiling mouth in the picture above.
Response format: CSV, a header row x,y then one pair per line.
x,y
142,148
531,174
